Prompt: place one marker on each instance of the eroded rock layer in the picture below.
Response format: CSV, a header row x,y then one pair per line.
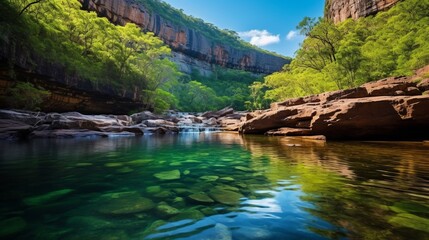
x,y
341,10
198,50
392,108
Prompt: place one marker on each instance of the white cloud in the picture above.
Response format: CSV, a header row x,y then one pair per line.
x,y
291,35
260,37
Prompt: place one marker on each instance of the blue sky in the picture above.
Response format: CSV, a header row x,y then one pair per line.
x,y
266,23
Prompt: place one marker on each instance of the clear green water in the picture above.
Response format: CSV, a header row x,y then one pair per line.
x,y
260,188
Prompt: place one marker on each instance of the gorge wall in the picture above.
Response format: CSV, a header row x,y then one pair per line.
x,y
341,10
191,49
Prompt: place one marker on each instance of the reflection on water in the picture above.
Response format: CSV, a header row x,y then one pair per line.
x,y
213,186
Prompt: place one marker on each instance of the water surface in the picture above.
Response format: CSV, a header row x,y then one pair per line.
x,y
213,186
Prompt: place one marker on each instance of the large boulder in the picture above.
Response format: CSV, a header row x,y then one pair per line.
x,y
160,124
218,114
75,120
392,108
380,117
17,124
142,116
423,85
27,117
11,129
138,129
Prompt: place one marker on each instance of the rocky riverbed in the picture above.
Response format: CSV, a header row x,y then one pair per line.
x,y
17,124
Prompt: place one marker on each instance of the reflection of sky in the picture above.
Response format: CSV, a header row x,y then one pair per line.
x,y
282,216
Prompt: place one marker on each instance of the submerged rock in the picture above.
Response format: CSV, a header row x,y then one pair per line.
x,y
114,164
125,203
168,175
209,178
244,169
221,232
182,191
189,214
46,198
164,194
153,189
12,226
253,233
227,179
89,222
201,198
165,210
179,201
227,197
151,229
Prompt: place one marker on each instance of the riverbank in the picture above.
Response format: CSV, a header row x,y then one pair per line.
x,y
395,108
18,124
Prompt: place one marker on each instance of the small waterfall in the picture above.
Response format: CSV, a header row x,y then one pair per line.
x,y
197,128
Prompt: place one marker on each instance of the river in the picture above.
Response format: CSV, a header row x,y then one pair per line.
x,y
213,186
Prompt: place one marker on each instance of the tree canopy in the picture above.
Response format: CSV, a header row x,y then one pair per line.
x,y
333,57
122,57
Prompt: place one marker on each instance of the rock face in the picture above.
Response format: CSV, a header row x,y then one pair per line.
x,y
341,10
191,48
392,108
68,92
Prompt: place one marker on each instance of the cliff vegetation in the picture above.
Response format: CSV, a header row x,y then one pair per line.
x,y
127,60
332,57
121,57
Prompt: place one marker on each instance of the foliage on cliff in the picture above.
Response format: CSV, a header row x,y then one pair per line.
x,y
33,96
341,56
121,57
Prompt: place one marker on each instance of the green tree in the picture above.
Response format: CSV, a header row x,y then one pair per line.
x,y
121,58
394,42
24,95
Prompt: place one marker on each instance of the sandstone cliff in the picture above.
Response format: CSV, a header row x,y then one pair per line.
x,y
340,10
192,49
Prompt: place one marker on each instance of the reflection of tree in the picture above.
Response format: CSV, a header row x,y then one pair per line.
x,y
353,185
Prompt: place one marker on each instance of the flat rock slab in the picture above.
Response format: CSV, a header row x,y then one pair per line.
x,y
125,203
201,198
168,175
226,197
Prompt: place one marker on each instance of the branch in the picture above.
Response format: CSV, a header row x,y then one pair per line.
x,y
28,5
